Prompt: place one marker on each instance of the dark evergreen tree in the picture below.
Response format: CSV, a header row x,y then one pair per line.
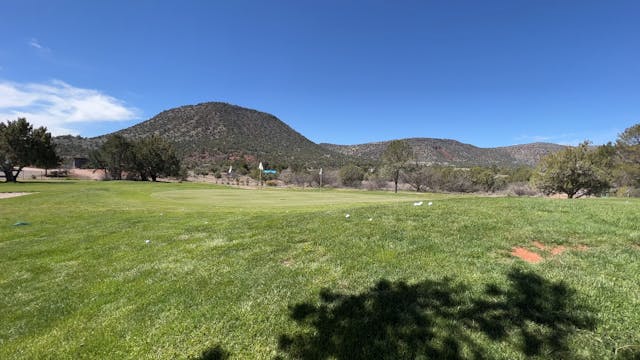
x,y
21,145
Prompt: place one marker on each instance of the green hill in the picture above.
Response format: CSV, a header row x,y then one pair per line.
x,y
205,132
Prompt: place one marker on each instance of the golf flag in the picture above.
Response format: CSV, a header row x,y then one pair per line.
x,y
230,169
260,166
320,173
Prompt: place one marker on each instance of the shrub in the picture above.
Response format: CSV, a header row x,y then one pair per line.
x,y
521,189
627,191
351,175
573,171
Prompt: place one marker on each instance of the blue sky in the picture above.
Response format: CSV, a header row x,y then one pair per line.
x,y
488,73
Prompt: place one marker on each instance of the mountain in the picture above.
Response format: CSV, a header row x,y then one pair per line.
x,y
530,154
451,152
69,146
217,132
209,131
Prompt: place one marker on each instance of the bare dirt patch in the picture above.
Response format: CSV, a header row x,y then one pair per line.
x,y
87,174
558,250
526,255
534,257
6,195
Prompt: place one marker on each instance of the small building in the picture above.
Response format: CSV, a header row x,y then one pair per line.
x,y
79,163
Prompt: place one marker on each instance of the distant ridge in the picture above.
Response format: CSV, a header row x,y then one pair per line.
x,y
530,154
215,131
431,151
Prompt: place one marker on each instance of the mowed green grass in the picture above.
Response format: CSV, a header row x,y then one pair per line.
x,y
267,199
264,274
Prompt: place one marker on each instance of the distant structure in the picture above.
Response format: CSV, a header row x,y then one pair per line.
x,y
79,162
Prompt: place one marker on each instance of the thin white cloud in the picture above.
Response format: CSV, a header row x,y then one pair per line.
x,y
546,138
57,105
39,49
34,43
572,139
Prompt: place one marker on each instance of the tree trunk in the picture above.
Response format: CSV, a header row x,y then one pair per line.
x,y
154,177
396,176
9,177
116,174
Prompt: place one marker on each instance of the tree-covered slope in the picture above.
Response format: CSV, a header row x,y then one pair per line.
x,y
209,130
451,152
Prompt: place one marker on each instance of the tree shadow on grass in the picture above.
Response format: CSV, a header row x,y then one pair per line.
x,y
437,319
213,353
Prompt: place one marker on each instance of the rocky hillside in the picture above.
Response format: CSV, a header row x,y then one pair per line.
x,y
451,152
69,146
530,154
212,130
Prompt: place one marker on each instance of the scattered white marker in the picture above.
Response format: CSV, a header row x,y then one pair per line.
x,y
419,203
430,203
347,216
370,219
147,241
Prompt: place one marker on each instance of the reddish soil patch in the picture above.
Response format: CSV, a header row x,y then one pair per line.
x,y
558,250
526,255
533,257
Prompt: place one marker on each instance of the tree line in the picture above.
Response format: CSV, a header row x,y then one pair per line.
x,y
577,171
22,145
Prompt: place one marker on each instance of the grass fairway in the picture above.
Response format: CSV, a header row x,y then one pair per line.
x,y
276,199
247,274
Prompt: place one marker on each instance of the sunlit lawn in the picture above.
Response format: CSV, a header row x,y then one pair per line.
x,y
126,270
